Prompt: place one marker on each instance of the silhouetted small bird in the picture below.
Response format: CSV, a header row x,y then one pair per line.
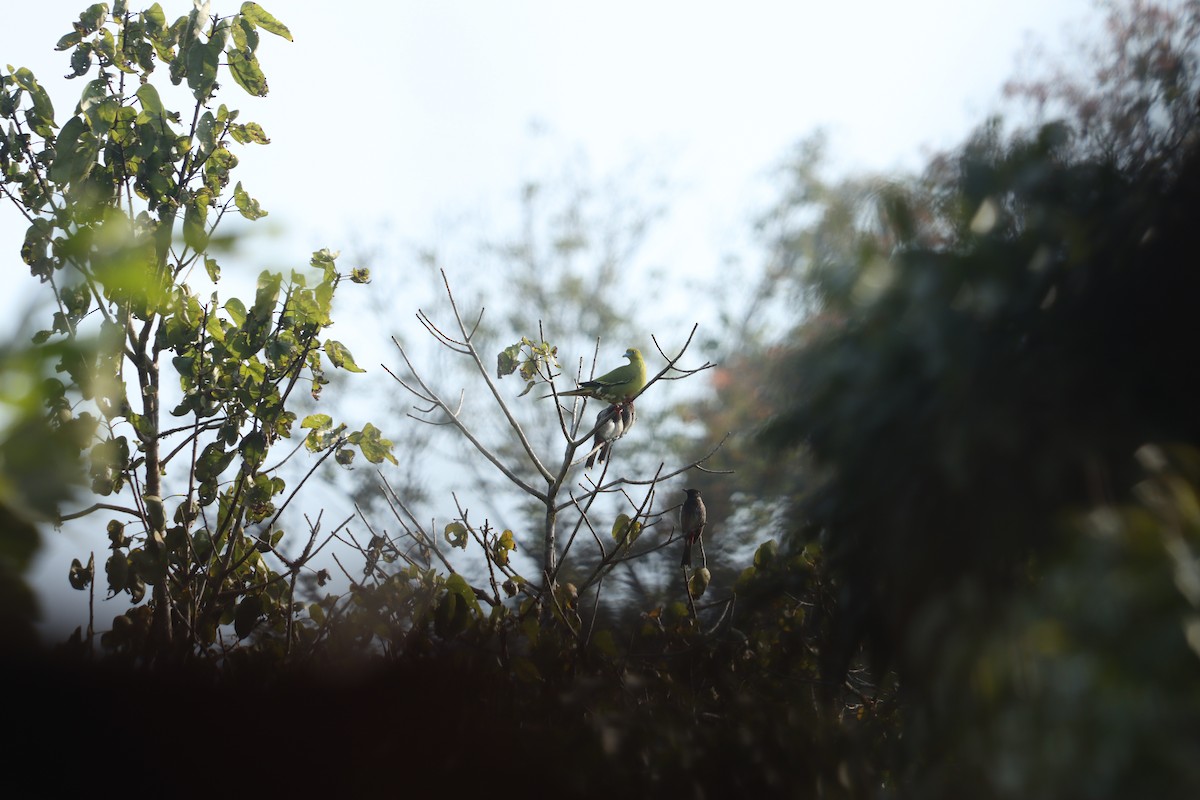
x,y
614,421
692,519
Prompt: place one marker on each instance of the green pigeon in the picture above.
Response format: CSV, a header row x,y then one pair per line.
x,y
617,386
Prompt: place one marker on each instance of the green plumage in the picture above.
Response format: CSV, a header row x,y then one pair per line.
x,y
622,384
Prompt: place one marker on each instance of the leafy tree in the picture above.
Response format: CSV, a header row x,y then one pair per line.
x,y
122,201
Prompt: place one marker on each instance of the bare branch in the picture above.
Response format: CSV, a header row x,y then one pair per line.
x,y
618,482
133,512
487,378
436,332
429,395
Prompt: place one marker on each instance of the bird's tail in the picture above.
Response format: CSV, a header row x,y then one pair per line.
x,y
600,456
687,555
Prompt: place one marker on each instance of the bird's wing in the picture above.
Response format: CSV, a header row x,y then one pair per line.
x,y
619,378
622,382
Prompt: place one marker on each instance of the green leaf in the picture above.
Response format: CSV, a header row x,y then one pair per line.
x,y
136,589
35,247
251,132
81,61
106,46
374,448
195,217
214,459
117,570
155,17
186,511
626,530
766,553
247,73
341,357
256,132
267,294
458,585
254,450
95,16
360,275
80,576
207,131
502,547
247,206
456,534
507,361
69,40
261,19
249,611
151,102
98,107
245,37
202,61
213,269
325,260
237,311
203,545
76,150
323,295
317,421
41,116
156,514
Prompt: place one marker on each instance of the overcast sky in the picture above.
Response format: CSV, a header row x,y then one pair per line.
x,y
405,113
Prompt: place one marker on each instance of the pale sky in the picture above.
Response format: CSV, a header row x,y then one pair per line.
x,y
408,111
404,112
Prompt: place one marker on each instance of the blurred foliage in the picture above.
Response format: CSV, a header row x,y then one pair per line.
x,y
1086,684
1132,102
978,378
39,469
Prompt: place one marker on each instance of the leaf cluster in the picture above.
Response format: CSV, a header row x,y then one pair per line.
x,y
122,202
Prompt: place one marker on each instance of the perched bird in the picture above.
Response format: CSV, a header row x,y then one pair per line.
x,y
617,386
692,519
614,422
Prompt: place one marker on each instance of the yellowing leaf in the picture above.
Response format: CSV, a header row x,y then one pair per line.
x,y
626,530
262,19
456,534
340,356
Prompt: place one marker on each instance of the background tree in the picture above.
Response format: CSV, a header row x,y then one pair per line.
x,y
569,263
1023,336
